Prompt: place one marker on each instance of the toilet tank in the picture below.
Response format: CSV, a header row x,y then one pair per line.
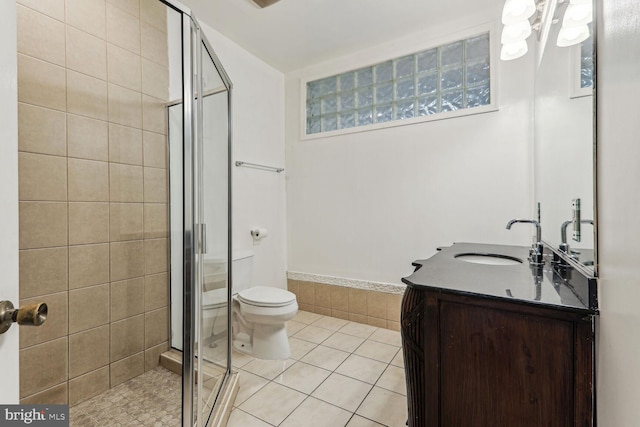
x,y
214,272
242,270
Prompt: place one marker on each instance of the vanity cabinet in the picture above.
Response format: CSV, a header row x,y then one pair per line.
x,y
489,362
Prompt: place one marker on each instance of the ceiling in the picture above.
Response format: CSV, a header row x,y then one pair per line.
x,y
293,34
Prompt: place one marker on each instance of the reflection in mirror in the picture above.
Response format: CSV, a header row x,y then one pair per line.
x,y
564,135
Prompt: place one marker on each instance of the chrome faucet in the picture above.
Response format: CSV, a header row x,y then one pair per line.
x,y
564,246
537,248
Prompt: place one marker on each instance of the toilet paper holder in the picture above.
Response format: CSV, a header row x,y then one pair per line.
x,y
258,233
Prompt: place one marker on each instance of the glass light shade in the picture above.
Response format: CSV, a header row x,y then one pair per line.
x,y
515,32
517,10
577,15
572,35
513,50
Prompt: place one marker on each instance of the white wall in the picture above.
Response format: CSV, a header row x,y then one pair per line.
x,y
9,392
365,205
618,333
258,135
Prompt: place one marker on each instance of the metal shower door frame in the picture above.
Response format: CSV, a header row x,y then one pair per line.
x,y
192,42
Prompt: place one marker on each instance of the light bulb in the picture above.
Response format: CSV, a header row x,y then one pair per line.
x,y
515,50
515,32
517,10
572,35
577,15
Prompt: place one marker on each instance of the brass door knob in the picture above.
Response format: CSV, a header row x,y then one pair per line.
x,y
29,315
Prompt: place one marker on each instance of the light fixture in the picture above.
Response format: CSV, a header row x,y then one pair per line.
x,y
515,50
574,29
577,15
515,32
572,35
516,17
264,3
517,28
517,11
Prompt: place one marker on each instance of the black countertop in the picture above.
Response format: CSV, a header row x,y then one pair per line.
x,y
551,286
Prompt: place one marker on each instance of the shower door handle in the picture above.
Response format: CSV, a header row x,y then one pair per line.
x,y
28,315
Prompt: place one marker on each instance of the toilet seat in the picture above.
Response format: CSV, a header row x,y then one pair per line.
x,y
259,296
265,296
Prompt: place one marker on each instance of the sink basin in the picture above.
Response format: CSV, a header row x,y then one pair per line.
x,y
488,259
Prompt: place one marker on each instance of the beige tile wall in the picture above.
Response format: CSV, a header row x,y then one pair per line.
x,y
375,308
93,81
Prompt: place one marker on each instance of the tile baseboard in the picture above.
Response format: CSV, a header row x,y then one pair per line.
x,y
390,288
376,304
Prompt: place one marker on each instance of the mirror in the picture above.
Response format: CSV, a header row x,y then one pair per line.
x,y
564,141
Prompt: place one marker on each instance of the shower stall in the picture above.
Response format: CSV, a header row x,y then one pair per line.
x,y
125,213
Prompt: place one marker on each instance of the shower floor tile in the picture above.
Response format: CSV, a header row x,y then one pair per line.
x,y
151,399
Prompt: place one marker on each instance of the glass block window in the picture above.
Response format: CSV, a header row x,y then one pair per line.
x,y
586,62
446,78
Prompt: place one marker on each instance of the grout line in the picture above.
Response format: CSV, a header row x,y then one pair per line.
x,y
251,415
108,121
66,148
308,395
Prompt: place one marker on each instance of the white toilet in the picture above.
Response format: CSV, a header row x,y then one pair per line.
x,y
259,313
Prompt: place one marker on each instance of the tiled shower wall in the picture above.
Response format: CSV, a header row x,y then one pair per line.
x,y
93,82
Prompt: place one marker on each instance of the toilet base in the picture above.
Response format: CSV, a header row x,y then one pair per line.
x,y
243,345
270,342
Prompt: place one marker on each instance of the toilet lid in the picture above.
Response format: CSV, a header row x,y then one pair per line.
x,y
266,296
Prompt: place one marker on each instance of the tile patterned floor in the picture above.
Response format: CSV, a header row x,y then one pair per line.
x,y
151,399
340,374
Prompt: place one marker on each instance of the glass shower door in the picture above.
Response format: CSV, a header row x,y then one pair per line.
x,y
201,271
212,202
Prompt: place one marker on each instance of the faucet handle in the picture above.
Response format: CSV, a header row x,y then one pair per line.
x,y
536,254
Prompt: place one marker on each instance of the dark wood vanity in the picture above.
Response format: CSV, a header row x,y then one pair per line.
x,y
489,346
